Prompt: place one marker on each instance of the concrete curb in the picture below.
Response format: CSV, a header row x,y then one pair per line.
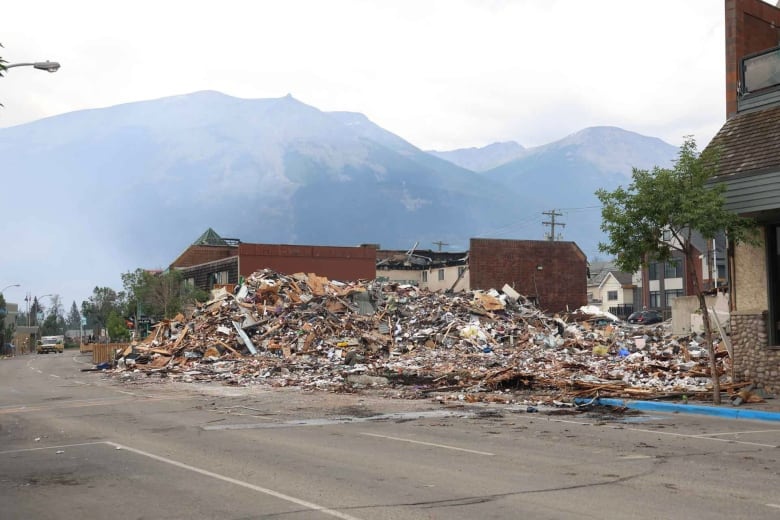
x,y
653,406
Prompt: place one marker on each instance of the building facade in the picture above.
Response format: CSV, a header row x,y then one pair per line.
x,y
748,146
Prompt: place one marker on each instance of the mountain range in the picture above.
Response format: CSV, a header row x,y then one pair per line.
x,y
94,193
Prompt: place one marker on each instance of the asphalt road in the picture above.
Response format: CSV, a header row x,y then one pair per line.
x,y
77,445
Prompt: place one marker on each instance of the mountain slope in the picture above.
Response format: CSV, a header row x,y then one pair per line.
x,y
132,185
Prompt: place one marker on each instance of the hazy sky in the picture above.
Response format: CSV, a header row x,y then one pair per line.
x,y
441,74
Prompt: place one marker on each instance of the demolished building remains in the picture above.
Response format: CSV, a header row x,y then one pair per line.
x,y
307,331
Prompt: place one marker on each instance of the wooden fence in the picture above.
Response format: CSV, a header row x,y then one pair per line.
x,y
103,352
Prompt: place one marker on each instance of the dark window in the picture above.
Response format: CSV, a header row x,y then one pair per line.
x,y
655,299
425,276
653,271
672,269
671,295
441,274
612,296
773,281
761,71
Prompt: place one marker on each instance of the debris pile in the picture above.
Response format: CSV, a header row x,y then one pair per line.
x,y
307,331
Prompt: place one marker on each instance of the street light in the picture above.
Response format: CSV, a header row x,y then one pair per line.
x,y
48,66
8,287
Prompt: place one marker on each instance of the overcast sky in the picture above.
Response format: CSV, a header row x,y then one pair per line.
x,y
441,74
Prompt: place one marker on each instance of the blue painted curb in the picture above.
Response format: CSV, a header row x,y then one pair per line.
x,y
653,406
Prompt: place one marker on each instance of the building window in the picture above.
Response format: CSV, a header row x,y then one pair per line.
x,y
221,277
441,275
655,299
672,269
652,271
425,276
461,270
612,296
773,282
667,235
671,295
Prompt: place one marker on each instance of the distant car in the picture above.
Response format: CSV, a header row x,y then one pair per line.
x,y
645,318
603,321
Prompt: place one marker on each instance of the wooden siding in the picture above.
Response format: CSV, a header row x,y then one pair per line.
x,y
754,101
752,193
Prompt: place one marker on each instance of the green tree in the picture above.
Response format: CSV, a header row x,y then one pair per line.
x,y
98,307
679,201
53,325
117,329
5,332
74,317
161,295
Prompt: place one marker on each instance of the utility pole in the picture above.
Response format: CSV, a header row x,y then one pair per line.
x,y
552,223
440,243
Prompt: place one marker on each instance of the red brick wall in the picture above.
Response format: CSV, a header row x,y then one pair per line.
x,y
196,255
751,26
561,283
335,263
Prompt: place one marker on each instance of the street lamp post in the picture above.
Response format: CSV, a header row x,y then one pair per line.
x,y
48,66
9,286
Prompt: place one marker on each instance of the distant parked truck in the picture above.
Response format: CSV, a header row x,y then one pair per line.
x,y
50,344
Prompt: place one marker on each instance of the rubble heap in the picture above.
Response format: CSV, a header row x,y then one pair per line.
x,y
305,330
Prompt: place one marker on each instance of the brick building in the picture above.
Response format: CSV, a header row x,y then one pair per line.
x,y
554,273
212,260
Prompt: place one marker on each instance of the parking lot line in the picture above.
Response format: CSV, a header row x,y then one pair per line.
x,y
444,446
297,501
42,448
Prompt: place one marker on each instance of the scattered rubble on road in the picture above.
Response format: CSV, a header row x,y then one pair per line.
x,y
307,331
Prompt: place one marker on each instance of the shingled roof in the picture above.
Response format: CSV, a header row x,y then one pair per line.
x,y
749,142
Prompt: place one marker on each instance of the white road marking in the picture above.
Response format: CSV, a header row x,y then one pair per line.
x,y
54,375
702,437
777,506
81,362
230,480
444,446
41,448
706,437
737,433
81,403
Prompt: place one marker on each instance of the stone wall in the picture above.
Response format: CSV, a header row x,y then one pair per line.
x,y
753,359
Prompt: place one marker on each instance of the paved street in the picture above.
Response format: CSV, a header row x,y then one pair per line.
x,y
76,445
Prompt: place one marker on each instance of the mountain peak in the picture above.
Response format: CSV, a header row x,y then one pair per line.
x,y
485,158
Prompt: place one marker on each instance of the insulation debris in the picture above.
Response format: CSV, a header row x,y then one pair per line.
x,y
307,331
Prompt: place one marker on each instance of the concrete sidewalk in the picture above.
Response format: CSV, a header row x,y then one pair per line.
x,y
767,411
